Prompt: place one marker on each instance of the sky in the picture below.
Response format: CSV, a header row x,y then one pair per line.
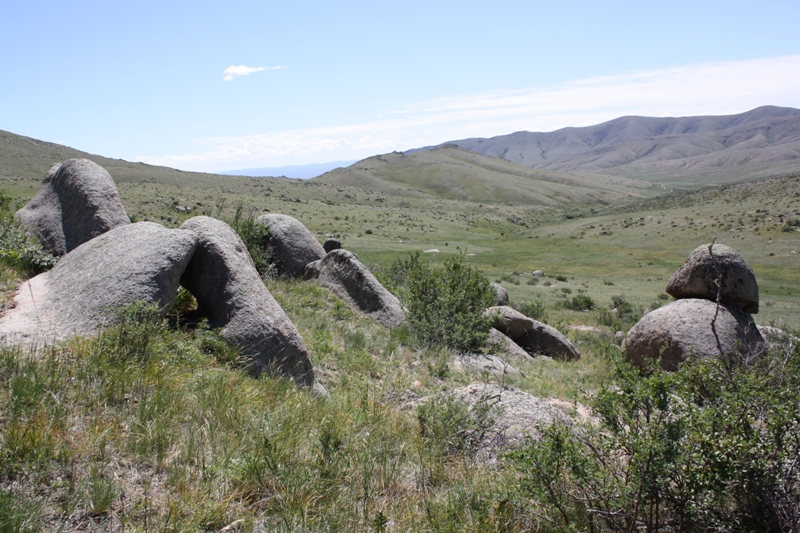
x,y
214,86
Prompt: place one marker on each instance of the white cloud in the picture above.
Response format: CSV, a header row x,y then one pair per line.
x,y
699,89
243,70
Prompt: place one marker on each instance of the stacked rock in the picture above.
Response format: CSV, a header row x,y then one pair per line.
x,y
715,292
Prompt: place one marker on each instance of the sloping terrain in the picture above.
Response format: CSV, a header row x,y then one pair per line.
x,y
689,150
454,173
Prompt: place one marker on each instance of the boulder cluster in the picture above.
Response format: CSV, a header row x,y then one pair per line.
x,y
715,291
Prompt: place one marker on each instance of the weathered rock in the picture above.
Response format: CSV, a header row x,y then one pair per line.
x,y
331,244
344,275
504,346
291,246
697,278
777,338
514,416
76,202
509,321
538,273
136,262
547,340
683,329
229,291
502,294
482,363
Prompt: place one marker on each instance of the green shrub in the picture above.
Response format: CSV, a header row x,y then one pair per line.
x,y
580,302
713,447
18,249
534,310
255,237
445,303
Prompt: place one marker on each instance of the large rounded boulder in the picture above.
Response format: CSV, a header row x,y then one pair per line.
x,y
230,293
76,202
698,276
291,246
344,275
692,328
91,284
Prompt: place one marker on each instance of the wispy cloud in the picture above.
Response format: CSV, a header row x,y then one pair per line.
x,y
699,89
243,70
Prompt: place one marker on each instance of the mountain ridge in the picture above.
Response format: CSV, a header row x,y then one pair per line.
x,y
758,143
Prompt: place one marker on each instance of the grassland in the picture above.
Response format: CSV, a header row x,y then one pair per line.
x,y
149,427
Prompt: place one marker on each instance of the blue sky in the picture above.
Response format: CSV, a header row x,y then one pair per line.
x,y
217,86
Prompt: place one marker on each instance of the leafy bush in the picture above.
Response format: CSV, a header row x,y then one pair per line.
x,y
255,237
445,303
713,447
534,310
18,249
580,302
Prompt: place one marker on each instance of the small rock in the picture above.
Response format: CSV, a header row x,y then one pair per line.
x,y
502,294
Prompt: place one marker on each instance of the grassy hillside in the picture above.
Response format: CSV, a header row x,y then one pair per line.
x,y
453,173
152,427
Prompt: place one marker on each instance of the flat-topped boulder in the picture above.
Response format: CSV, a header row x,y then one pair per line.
x,y
229,291
693,328
76,202
291,246
698,276
85,290
344,275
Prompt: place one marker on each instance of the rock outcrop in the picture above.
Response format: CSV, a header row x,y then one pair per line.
x,y
331,245
692,328
547,340
698,276
291,246
135,262
501,292
514,416
695,325
344,275
509,321
229,291
76,202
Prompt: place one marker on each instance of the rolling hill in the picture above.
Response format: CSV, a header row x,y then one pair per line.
x,y
686,151
453,173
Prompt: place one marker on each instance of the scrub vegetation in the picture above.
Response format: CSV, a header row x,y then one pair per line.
x,y
152,426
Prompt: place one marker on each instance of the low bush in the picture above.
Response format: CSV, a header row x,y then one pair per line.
x,y
18,249
255,237
445,303
580,302
714,447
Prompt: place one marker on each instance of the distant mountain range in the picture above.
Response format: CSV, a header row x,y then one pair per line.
x,y
302,172
705,149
